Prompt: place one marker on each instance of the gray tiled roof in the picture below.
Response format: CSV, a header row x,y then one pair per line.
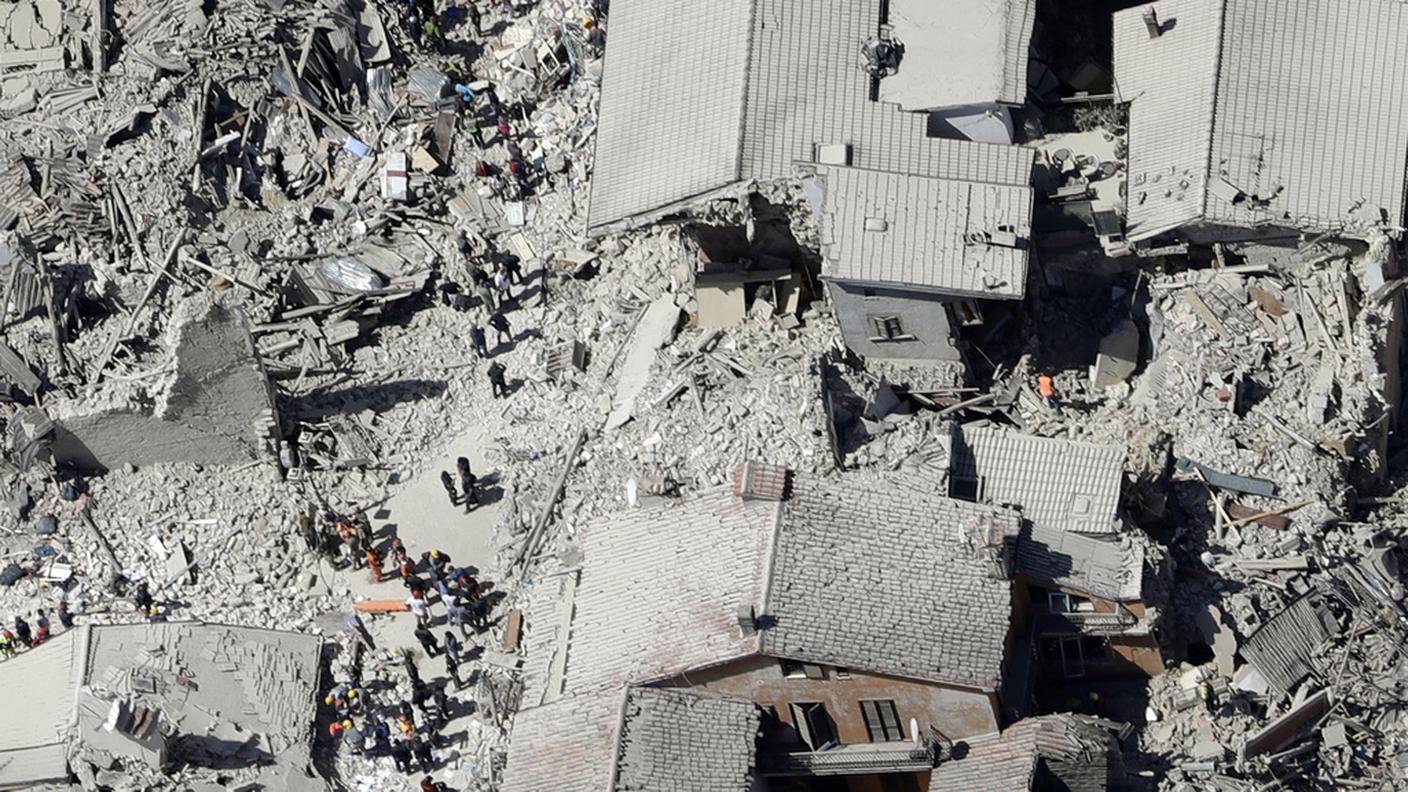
x,y
855,582
805,87
1106,568
675,740
801,86
912,230
626,739
671,103
1007,762
980,46
840,573
38,726
1310,101
1171,82
566,746
661,587
1293,101
1060,484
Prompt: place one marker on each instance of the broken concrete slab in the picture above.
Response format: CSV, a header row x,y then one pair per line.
x,y
1118,356
720,304
218,408
1282,730
656,328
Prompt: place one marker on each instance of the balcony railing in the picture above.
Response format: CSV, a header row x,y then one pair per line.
x,y
896,757
1121,622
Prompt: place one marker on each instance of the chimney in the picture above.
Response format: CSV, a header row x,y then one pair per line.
x,y
988,542
760,481
747,622
1151,22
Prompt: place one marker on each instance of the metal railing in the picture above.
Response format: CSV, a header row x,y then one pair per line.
x,y
897,757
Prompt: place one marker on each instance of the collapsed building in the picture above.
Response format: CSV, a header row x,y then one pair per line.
x,y
908,257
791,593
1236,423
212,404
112,704
914,227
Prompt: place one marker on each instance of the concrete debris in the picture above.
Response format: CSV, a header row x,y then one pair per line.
x,y
216,406
279,280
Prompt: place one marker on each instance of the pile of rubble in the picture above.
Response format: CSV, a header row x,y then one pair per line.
x,y
242,250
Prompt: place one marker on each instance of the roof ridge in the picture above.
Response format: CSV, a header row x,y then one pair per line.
x,y
618,729
1212,121
743,94
1024,185
770,559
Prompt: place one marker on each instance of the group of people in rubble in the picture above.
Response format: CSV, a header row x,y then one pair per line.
x,y
409,730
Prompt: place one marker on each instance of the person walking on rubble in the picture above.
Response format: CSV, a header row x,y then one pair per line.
x,y
479,614
22,633
442,695
467,583
477,340
401,754
355,739
448,482
433,35
374,563
458,615
41,628
364,527
65,618
142,597
1046,389
427,640
452,670
409,663
501,282
503,331
405,720
350,536
468,482
381,736
496,380
421,749
471,122
485,292
421,698
310,534
513,266
476,18
417,605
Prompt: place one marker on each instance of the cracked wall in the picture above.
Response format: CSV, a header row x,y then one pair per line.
x,y
218,409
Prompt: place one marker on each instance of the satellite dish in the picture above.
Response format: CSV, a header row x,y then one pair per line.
x,y
914,730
